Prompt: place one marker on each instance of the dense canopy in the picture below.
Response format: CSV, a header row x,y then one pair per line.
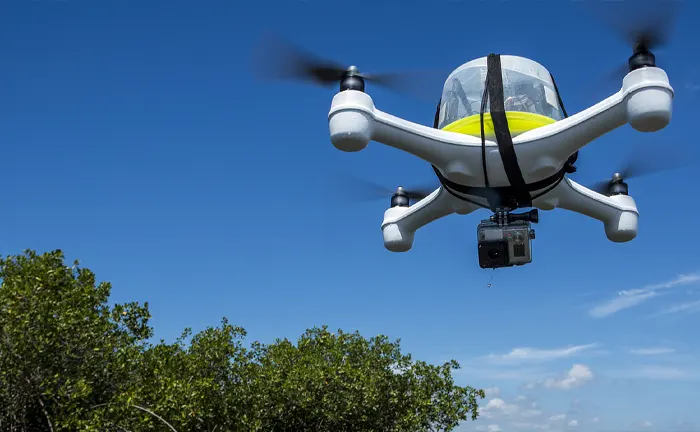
x,y
70,361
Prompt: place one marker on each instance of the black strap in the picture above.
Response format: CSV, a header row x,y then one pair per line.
x,y
436,120
571,168
488,192
494,84
556,89
484,99
502,192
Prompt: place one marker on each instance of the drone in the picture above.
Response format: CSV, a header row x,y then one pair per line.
x,y
501,140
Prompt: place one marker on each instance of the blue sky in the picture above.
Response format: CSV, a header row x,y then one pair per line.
x,y
137,139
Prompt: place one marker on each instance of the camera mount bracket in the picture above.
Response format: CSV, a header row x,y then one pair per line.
x,y
503,216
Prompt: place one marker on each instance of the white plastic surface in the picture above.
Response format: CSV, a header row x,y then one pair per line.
x,y
527,87
644,101
650,99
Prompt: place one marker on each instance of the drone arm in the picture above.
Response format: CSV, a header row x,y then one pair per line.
x,y
401,223
568,135
354,122
618,213
644,101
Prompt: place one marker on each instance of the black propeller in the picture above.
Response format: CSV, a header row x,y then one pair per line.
x,y
643,162
276,58
364,190
644,25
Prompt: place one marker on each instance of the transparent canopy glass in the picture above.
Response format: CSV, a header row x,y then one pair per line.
x,y
529,94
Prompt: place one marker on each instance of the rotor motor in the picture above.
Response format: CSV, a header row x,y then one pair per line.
x,y
352,80
400,198
618,186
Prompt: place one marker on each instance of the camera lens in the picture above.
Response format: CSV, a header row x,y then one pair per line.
x,y
494,253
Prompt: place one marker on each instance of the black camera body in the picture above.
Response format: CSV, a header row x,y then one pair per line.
x,y
506,241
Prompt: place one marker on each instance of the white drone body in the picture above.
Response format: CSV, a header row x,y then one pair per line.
x,y
644,101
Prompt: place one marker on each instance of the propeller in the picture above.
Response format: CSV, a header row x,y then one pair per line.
x,y
644,25
365,190
276,58
642,163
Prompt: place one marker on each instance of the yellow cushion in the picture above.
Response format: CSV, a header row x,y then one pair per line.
x,y
518,122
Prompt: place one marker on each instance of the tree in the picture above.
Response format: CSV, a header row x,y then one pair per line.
x,y
69,361
200,385
344,382
62,349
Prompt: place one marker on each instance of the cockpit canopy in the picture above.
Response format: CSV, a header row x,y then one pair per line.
x,y
530,97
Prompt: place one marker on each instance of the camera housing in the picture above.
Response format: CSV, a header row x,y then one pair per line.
x,y
506,240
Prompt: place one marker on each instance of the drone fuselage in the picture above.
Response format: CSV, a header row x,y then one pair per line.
x,y
644,102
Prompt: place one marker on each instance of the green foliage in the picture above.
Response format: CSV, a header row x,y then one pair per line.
x,y
344,382
69,361
62,349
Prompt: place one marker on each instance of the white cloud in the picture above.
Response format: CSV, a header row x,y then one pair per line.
x,y
595,420
523,364
655,372
630,298
496,403
528,354
651,351
578,375
663,372
526,426
488,428
693,306
531,413
642,425
625,300
521,414
498,410
523,374
684,426
498,406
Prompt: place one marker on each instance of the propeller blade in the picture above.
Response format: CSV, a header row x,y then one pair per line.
x,y
601,186
614,75
276,58
417,194
640,24
365,190
643,163
646,159
424,85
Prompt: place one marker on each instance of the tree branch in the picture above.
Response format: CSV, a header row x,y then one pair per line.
x,y
145,410
43,407
156,416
